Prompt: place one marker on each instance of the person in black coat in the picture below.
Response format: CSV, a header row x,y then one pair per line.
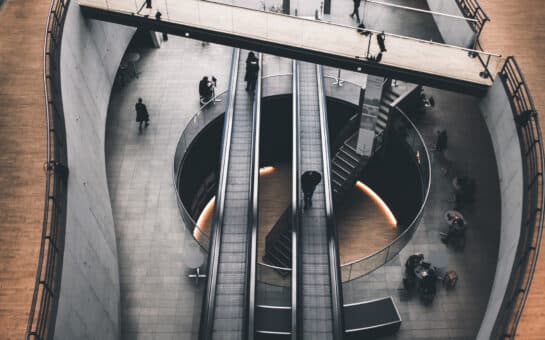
x,y
356,10
206,90
381,38
142,114
309,181
252,70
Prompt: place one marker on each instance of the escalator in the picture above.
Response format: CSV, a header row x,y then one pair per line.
x,y
228,306
316,267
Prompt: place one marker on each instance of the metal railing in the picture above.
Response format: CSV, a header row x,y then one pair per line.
x,y
278,276
214,252
531,143
194,15
403,126
332,243
473,10
43,309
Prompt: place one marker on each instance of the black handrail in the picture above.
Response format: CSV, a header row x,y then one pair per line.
x,y
209,298
333,249
531,143
295,201
42,317
253,214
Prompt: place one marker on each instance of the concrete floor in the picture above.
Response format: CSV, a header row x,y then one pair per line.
x,y
158,301
454,314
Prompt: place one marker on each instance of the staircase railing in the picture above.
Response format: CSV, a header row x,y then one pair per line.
x,y
43,308
531,142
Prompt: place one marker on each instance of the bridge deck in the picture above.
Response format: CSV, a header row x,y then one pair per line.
x,y
293,34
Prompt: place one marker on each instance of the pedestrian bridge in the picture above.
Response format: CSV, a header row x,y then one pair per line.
x,y
408,59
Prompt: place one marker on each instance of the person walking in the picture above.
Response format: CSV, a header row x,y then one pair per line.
x,y
381,38
252,70
356,10
142,115
309,181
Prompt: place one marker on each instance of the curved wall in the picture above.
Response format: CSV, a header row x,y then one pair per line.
x,y
498,115
454,31
89,297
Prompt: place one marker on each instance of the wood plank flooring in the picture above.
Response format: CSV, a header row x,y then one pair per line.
x,y
22,142
518,28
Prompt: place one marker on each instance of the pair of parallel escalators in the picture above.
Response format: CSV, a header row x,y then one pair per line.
x,y
229,310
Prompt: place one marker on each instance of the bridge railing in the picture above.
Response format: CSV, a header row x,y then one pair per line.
x,y
531,143
43,309
238,23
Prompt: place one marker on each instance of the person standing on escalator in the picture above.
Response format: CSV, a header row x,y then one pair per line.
x,y
309,181
252,70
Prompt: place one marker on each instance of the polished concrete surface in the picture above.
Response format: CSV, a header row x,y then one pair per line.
x,y
158,301
457,313
23,153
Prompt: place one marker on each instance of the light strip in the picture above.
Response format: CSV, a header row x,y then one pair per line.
x,y
379,202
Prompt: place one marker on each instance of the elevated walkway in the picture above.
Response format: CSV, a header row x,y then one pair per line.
x,y
226,301
408,59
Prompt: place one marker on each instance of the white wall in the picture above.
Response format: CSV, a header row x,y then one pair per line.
x,y
498,116
89,297
454,31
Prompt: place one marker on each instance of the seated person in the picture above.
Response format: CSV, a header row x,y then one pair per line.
x,y
410,265
456,230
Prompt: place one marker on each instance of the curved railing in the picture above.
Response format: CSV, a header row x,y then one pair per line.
x,y
407,130
43,309
531,143
277,276
280,276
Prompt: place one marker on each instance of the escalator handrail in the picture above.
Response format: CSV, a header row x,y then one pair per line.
x,y
207,313
253,213
333,250
294,201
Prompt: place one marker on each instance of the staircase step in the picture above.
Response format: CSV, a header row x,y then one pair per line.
x,y
348,162
337,183
350,152
271,259
280,254
337,174
382,124
335,164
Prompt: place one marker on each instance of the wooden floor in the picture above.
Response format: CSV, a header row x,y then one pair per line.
x,y
518,28
22,143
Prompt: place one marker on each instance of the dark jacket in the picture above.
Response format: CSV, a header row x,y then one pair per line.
x,y
309,180
141,112
252,68
204,88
